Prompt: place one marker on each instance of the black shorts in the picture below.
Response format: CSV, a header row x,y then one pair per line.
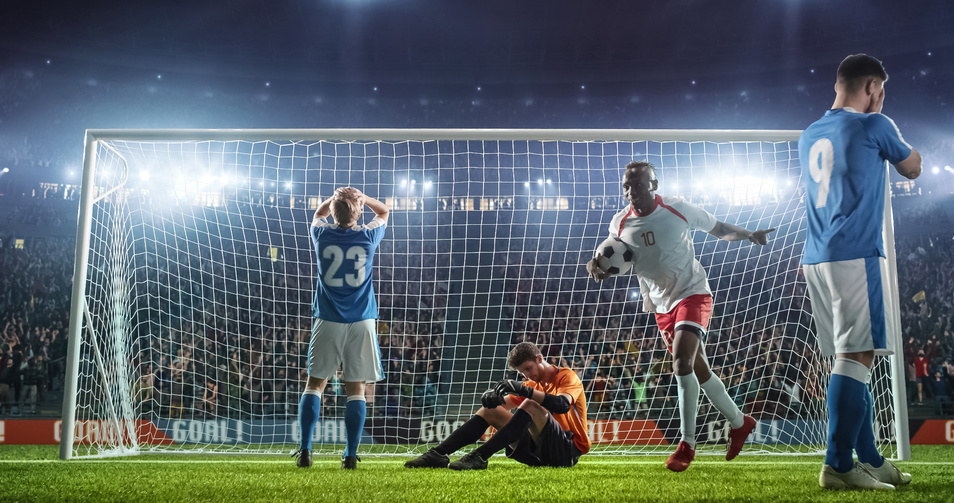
x,y
554,448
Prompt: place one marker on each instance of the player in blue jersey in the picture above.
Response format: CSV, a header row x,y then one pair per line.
x,y
844,158
345,311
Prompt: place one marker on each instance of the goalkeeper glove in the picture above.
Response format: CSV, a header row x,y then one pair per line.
x,y
511,387
490,399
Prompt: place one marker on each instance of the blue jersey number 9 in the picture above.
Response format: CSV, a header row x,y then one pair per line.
x,y
821,161
337,256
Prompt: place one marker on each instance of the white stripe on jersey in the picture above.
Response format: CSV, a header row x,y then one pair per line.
x,y
664,256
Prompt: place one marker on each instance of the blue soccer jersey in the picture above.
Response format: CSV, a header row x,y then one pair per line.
x,y
843,158
344,293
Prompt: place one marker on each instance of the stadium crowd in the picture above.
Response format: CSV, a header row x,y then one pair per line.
x,y
212,346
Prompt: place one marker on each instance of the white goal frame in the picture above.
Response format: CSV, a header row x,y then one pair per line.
x,y
95,138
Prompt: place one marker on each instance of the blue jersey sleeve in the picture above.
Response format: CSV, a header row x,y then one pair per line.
x,y
885,134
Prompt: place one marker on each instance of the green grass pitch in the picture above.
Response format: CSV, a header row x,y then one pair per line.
x,y
33,473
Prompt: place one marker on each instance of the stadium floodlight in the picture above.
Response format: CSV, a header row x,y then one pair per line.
x,y
216,290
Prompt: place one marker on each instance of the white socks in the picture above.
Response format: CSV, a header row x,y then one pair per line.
x,y
688,407
715,392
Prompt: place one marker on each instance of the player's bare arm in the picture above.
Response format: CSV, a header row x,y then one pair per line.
x,y
324,209
910,168
380,209
729,232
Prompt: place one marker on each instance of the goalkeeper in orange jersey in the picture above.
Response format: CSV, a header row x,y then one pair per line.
x,y
547,429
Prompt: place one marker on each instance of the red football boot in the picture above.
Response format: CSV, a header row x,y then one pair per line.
x,y
737,437
679,460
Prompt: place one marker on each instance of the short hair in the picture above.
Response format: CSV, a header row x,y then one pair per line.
x,y
344,206
640,165
522,353
856,69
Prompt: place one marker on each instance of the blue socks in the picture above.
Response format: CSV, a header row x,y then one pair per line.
x,y
847,410
865,444
355,412
309,410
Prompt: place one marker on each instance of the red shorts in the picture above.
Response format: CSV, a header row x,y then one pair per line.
x,y
694,311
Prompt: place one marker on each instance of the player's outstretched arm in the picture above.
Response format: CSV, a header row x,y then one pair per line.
x,y
595,271
910,168
729,232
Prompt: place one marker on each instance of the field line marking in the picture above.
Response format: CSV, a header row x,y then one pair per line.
x,y
383,461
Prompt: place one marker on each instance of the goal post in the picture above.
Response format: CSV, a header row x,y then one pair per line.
x,y
194,276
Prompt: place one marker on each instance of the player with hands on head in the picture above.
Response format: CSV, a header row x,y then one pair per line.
x,y
548,427
675,288
345,311
852,288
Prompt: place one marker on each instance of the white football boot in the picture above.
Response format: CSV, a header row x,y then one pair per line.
x,y
888,473
856,478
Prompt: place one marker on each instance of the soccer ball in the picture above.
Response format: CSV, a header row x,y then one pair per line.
x,y
616,258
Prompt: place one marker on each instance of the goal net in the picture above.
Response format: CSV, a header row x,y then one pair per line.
x,y
195,275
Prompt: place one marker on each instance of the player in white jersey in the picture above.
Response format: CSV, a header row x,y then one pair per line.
x,y
345,311
675,288
855,305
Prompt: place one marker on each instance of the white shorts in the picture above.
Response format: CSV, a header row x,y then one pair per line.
x,y
354,346
855,309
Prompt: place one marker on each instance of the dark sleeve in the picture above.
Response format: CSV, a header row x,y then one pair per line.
x,y
556,404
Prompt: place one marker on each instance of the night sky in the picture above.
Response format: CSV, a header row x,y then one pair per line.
x,y
66,67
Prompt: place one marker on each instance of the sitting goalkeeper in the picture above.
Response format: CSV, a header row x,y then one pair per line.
x,y
547,429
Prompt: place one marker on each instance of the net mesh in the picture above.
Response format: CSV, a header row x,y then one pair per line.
x,y
201,276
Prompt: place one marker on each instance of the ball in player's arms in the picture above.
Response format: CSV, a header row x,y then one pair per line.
x,y
614,256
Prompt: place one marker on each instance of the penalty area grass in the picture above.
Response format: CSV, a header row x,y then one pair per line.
x,y
33,473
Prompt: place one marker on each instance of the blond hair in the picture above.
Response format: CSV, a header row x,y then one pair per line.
x,y
345,205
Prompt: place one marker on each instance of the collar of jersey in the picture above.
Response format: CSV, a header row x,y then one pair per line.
x,y
846,109
656,201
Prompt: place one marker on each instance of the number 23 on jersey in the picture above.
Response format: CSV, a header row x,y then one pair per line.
x,y
353,260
